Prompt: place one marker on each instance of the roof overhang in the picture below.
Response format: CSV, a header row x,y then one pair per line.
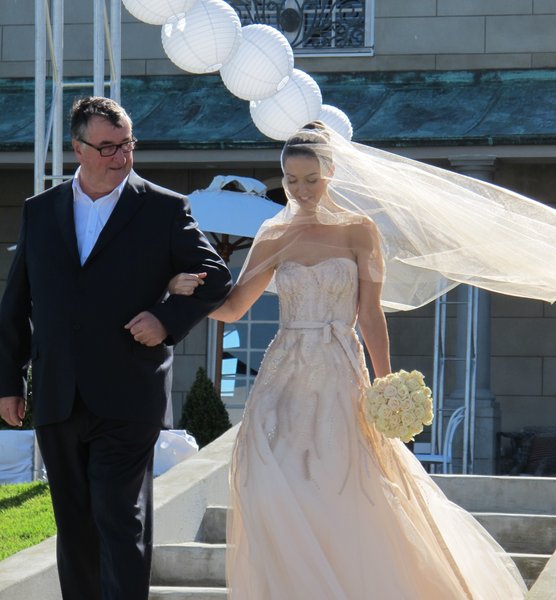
x,y
190,119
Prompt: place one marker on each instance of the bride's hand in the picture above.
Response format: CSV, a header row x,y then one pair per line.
x,y
186,283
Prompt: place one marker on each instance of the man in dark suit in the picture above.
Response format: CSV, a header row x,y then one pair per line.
x,y
86,301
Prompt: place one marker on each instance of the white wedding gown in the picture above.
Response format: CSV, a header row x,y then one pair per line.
x,y
324,508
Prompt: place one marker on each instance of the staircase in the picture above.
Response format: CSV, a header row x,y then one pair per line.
x,y
519,512
193,570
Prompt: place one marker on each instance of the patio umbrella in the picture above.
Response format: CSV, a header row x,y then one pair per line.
x,y
231,206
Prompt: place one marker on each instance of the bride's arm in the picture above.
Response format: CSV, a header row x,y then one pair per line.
x,y
372,322
242,297
252,283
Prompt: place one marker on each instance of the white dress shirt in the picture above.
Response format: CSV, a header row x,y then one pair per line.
x,y
90,216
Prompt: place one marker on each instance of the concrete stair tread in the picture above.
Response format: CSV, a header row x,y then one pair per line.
x,y
516,514
515,532
161,592
520,532
529,565
544,587
542,557
488,493
213,526
188,564
191,545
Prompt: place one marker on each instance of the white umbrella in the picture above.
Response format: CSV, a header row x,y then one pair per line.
x,y
232,205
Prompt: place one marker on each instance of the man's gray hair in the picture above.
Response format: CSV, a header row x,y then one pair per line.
x,y
84,109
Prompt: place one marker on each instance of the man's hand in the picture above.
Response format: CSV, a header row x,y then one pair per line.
x,y
147,329
12,410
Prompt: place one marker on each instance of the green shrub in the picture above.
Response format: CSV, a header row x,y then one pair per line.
x,y
204,415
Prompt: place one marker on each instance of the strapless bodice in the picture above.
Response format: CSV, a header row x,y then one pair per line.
x,y
324,292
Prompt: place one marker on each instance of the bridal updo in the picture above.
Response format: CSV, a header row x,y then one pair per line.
x,y
311,141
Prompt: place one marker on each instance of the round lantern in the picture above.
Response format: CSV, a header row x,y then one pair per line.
x,y
157,12
295,105
262,64
336,120
204,39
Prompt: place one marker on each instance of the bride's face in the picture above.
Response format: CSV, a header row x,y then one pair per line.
x,y
303,179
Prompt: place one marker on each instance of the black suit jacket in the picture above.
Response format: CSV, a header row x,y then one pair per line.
x,y
70,318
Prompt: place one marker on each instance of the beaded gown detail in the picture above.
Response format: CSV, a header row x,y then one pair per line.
x,y
325,508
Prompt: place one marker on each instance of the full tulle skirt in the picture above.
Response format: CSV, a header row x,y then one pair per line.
x,y
324,507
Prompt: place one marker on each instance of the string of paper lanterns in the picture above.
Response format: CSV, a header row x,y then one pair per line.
x,y
256,62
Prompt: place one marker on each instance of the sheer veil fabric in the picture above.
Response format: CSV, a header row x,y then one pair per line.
x,y
437,228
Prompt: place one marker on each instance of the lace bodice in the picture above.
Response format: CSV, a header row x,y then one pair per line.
x,y
324,292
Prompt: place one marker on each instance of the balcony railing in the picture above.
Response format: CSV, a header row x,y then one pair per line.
x,y
314,26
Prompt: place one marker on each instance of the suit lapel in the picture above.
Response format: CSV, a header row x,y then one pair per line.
x,y
66,221
132,198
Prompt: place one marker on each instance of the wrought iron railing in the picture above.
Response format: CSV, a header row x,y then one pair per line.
x,y
311,25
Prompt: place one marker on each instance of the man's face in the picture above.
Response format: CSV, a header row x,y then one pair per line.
x,y
99,175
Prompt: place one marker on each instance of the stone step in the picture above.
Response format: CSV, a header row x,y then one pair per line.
x,y
520,532
189,564
484,493
530,565
187,593
544,587
191,567
514,532
213,525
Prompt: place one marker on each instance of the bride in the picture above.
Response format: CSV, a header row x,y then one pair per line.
x,y
323,506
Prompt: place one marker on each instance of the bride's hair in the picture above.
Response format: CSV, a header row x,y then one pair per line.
x,y
311,141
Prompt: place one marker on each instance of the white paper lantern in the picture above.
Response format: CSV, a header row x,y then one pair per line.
x,y
337,120
262,64
204,39
157,12
295,105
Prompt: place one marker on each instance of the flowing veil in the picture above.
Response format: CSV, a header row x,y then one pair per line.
x,y
437,228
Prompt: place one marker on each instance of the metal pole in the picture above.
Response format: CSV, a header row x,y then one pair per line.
x,y
438,366
98,48
40,93
57,107
442,377
475,337
211,350
115,50
468,379
39,472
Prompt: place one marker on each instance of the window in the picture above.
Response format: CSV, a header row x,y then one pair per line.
x,y
315,26
244,345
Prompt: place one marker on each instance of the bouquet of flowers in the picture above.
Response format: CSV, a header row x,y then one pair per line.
x,y
399,404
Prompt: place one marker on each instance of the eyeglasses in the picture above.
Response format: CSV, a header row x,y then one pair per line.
x,y
110,150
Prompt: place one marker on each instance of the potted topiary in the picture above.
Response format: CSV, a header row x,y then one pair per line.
x,y
204,414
